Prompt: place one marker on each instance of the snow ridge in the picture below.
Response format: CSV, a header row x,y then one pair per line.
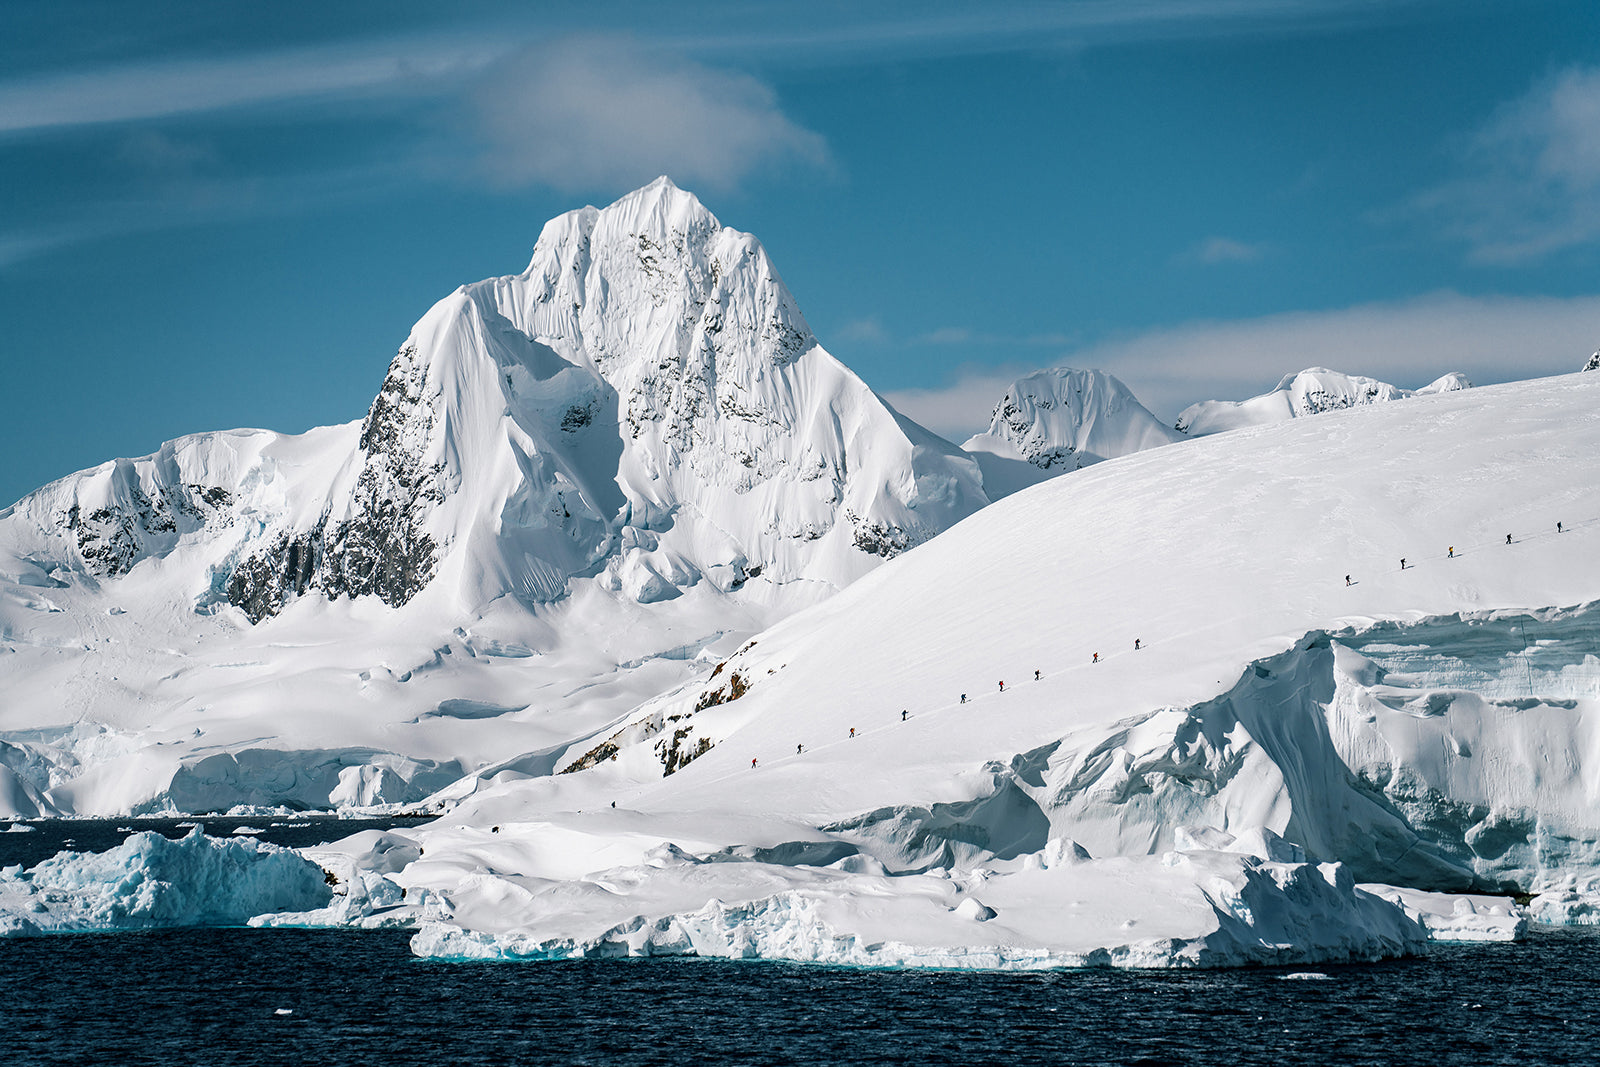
x,y
1309,392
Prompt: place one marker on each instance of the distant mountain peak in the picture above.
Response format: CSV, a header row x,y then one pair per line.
x,y
1312,391
1059,420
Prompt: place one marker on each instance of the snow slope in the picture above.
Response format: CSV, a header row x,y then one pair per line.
x,y
1054,421
573,483
1276,736
1310,392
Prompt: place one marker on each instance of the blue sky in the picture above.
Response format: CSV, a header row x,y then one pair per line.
x,y
222,214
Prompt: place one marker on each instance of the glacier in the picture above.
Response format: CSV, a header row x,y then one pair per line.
x,y
693,645
1310,754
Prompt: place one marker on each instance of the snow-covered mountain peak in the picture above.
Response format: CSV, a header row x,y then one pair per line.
x,y
1308,392
631,451
1446,383
1594,362
1058,420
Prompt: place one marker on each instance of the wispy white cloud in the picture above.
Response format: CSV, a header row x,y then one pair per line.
x,y
1409,343
169,87
967,337
606,110
1530,178
867,331
1217,250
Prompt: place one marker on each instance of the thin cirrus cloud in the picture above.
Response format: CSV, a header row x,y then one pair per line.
x,y
1529,184
176,87
571,114
608,111
1409,343
1219,250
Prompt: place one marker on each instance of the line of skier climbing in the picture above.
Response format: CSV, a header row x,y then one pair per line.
x,y
905,713
1138,644
1449,553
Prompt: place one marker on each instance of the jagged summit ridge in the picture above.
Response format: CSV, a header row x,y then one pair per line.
x,y
646,398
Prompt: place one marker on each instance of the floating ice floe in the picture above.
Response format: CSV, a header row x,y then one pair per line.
x,y
1195,908
150,880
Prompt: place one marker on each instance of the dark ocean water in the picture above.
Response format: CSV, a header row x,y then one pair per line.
x,y
211,997
215,997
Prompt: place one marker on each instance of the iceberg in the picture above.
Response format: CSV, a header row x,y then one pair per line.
x,y
154,881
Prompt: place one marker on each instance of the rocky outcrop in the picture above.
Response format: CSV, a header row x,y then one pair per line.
x,y
381,548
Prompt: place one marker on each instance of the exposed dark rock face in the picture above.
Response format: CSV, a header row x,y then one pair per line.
x,y
112,538
882,539
1027,434
381,549
1594,362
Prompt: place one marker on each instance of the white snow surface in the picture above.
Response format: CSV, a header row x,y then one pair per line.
x,y
1212,796
578,486
1054,421
1310,392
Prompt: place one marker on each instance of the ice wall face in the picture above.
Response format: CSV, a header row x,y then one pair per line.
x,y
1310,392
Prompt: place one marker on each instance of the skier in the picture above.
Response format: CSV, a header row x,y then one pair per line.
x,y
1096,658
1558,527
1452,553
1036,676
1508,539
1002,687
1402,563
902,715
963,698
799,749
1136,644
1347,579
852,731
752,763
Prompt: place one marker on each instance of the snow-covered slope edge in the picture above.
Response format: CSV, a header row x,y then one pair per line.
x,y
574,483
1310,392
1428,726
